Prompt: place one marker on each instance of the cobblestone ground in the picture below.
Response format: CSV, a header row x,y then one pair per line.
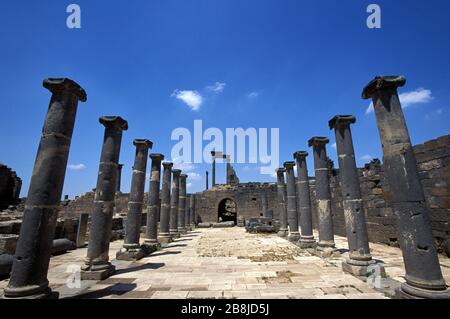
x,y
229,263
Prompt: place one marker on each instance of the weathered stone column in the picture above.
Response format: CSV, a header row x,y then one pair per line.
x,y
151,232
132,248
323,196
82,230
192,210
119,178
304,202
213,183
207,180
97,265
174,202
423,273
355,220
282,210
182,205
264,205
32,256
164,222
292,214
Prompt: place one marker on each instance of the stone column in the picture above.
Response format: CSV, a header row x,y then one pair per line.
x,y
213,183
187,216
82,230
151,234
97,265
174,202
282,210
119,178
292,214
355,220
423,273
304,202
132,248
192,210
323,196
264,204
164,222
207,180
182,205
32,256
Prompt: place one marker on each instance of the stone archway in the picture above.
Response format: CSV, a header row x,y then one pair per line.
x,y
227,211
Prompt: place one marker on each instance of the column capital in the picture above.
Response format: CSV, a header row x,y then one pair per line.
x,y
184,176
280,170
156,157
64,84
380,83
341,120
318,141
300,155
289,165
143,143
176,172
167,165
116,121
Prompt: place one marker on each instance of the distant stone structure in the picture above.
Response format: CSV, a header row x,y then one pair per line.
x,y
10,186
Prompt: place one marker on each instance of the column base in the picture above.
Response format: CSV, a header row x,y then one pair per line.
x,y
294,237
409,292
174,234
326,251
283,232
97,272
361,268
307,242
182,230
150,247
130,254
30,292
165,239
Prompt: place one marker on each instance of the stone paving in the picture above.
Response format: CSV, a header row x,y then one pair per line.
x,y
230,263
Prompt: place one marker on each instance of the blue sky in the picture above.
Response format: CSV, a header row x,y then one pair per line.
x,y
285,64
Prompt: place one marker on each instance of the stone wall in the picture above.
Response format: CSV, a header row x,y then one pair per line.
x,y
10,186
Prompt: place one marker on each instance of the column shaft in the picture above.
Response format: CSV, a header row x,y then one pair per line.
x,y
292,214
174,202
164,223
282,198
182,205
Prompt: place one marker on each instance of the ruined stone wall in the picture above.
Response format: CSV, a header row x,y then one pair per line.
x,y
10,186
246,196
433,161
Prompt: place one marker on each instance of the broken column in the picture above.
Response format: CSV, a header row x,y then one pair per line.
x,y
97,265
292,214
32,255
131,247
282,210
355,220
192,210
164,222
182,205
213,183
82,230
423,273
326,243
119,178
304,202
151,233
174,202
207,180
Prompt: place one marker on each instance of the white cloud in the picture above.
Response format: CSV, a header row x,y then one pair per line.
x,y
407,99
217,87
366,158
179,164
193,99
334,145
188,185
76,167
434,114
194,176
253,95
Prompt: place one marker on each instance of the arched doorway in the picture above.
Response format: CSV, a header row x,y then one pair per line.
x,y
227,211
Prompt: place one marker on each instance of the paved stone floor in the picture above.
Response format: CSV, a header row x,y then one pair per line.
x,y
229,263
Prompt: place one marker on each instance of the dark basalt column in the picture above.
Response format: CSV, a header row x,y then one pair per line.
x,y
207,180
423,273
187,216
182,205
282,198
132,248
32,256
151,235
304,201
355,220
264,205
192,210
164,222
213,183
292,214
323,194
174,202
82,230
119,178
97,265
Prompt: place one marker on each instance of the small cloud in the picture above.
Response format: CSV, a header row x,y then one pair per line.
x,y
407,99
217,87
188,185
193,99
366,158
76,167
184,166
334,145
253,95
194,176
274,175
434,114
